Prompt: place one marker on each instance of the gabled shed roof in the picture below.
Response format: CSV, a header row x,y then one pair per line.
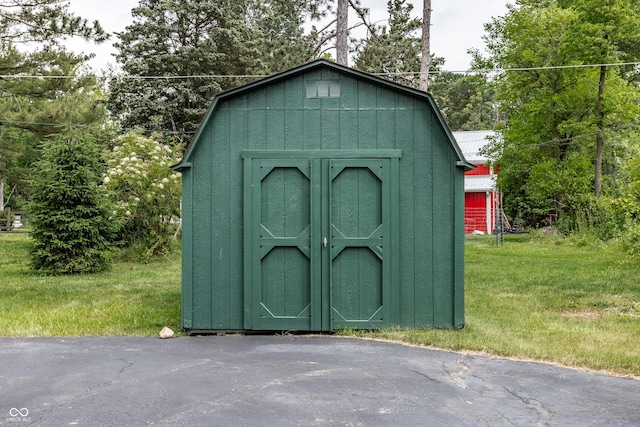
x,y
321,63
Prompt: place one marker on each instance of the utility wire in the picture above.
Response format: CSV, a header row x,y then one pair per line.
x,y
557,141
130,77
258,76
497,70
565,141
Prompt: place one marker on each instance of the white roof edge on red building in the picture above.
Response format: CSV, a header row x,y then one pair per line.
x,y
471,142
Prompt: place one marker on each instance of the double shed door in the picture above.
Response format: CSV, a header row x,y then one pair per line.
x,y
318,241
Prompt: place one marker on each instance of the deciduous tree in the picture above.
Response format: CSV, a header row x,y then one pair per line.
x,y
557,111
603,32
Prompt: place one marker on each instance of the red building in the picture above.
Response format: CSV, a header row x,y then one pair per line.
x,y
481,197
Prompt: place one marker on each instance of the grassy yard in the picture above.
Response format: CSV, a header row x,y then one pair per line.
x,y
533,298
131,299
549,300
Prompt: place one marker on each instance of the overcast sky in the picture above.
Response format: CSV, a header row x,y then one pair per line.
x,y
457,25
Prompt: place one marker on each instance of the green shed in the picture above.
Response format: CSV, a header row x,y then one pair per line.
x,y
322,198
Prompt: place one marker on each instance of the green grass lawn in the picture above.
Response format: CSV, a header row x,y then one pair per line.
x,y
131,299
532,298
549,300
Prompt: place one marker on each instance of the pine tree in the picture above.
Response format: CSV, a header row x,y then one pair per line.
x,y
180,38
32,108
69,211
44,21
395,51
281,42
466,101
26,103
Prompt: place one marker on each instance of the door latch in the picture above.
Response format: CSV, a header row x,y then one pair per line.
x,y
324,241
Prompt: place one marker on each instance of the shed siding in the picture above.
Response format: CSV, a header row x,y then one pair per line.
x,y
419,222
187,251
458,268
202,217
278,116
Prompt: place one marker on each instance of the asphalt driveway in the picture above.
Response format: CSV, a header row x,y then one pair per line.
x,y
293,381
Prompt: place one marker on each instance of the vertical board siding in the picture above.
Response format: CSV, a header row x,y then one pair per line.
x,y
202,173
294,91
366,96
349,94
426,212
385,118
367,134
425,243
443,219
256,124
312,133
293,129
395,286
220,217
458,256
349,131
187,295
275,129
275,117
330,129
409,185
294,94
238,136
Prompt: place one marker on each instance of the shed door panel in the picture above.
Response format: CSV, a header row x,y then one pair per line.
x,y
359,235
317,243
282,281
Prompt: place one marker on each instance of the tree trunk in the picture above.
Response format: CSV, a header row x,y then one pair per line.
x,y
597,182
1,194
426,40
342,33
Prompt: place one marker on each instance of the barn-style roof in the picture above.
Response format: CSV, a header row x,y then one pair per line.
x,y
311,66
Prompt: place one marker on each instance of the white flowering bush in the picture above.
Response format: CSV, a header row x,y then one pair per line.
x,y
146,191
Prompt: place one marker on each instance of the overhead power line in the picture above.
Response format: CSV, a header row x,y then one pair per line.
x,y
259,76
498,70
568,140
130,77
